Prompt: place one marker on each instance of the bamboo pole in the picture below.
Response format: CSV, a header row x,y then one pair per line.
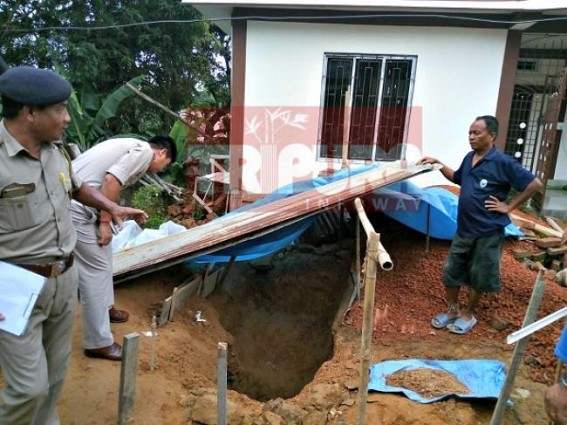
x,y
382,255
366,344
358,268
174,191
167,110
375,254
535,300
346,128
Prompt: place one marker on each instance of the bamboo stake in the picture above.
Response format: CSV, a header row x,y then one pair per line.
x,y
375,254
367,321
537,294
382,256
358,271
153,346
175,192
346,129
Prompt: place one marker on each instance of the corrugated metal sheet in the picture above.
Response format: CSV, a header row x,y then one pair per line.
x,y
218,234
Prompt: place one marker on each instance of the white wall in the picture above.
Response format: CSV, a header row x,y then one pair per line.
x,y
457,78
561,166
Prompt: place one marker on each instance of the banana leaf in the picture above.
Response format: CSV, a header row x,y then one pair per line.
x,y
111,103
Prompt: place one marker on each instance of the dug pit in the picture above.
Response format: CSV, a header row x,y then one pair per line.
x,y
281,312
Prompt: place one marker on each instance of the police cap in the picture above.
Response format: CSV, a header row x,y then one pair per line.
x,y
33,86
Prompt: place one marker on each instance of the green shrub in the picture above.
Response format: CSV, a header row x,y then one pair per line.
x,y
151,200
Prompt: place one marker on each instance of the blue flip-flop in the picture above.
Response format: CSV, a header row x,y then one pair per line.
x,y
462,326
442,320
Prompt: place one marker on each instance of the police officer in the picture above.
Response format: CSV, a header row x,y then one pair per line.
x,y
36,186
108,166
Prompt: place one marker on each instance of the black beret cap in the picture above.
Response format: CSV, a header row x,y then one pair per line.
x,y
33,86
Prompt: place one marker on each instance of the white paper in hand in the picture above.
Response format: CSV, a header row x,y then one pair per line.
x,y
20,289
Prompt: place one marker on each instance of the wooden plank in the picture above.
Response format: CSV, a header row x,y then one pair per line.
x,y
222,383
529,318
127,391
532,225
549,242
183,293
226,269
172,309
209,283
153,343
165,311
251,223
553,224
557,251
520,253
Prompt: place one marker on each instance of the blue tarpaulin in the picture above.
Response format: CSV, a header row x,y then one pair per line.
x,y
484,378
409,204
274,241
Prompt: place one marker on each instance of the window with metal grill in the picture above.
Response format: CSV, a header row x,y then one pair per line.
x,y
365,106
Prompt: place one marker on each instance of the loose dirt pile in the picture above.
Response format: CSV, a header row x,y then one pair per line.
x,y
428,383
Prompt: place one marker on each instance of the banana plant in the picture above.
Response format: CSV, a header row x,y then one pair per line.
x,y
89,113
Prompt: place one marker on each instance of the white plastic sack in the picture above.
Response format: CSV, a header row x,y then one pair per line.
x,y
130,230
169,228
133,235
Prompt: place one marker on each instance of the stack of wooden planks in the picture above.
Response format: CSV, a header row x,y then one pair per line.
x,y
549,251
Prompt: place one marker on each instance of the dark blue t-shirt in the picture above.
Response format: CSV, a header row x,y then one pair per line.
x,y
561,347
495,174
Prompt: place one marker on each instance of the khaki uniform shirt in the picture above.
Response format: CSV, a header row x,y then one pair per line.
x,y
127,159
35,222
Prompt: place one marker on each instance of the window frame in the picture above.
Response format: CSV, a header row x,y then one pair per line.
x,y
355,57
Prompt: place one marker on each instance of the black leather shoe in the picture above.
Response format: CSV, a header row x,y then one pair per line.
x,y
118,316
112,352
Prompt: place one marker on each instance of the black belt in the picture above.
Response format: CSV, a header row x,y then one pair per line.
x,y
51,269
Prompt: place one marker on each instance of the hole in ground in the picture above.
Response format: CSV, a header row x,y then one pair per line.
x,y
281,317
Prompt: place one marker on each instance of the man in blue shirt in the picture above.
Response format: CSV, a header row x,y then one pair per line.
x,y
555,400
486,177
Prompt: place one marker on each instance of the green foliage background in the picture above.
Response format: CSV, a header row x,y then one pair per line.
x,y
150,199
101,44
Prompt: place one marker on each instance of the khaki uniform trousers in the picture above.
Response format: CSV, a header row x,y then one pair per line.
x,y
96,288
35,364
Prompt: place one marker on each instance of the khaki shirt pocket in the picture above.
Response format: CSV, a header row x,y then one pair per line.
x,y
19,213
